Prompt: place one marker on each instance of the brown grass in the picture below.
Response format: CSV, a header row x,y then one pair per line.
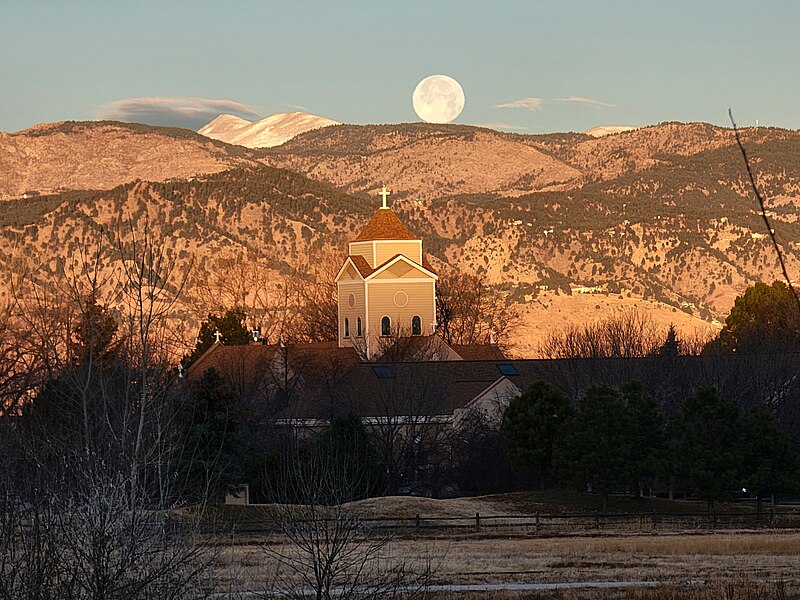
x,y
698,562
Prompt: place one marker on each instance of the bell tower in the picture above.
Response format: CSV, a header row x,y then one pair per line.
x,y
386,286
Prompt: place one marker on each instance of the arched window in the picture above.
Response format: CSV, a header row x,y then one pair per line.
x,y
358,327
386,326
346,327
416,325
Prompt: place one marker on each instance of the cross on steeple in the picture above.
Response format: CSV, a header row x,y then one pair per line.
x,y
383,193
218,336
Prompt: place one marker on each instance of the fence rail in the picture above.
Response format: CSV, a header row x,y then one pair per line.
x,y
564,522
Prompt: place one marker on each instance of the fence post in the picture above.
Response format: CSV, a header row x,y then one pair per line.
x,y
477,521
538,525
655,518
416,521
597,519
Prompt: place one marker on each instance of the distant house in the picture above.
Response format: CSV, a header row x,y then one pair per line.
x,y
388,366
386,313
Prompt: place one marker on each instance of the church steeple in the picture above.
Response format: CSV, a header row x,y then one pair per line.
x,y
385,286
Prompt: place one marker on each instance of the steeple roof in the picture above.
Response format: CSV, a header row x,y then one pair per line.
x,y
385,225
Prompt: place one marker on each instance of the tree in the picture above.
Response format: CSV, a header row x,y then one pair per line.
x,y
769,464
629,334
230,325
597,444
328,548
648,436
763,319
212,450
481,455
347,441
469,312
533,427
411,442
709,446
95,332
672,345
317,302
86,464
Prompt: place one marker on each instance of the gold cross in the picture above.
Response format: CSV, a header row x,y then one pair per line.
x,y
383,193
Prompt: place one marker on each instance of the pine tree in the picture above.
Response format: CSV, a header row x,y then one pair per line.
x,y
709,450
532,426
598,443
230,325
212,449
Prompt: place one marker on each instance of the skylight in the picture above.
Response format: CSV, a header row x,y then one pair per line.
x,y
507,369
383,372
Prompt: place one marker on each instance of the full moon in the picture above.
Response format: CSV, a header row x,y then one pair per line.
x,y
438,99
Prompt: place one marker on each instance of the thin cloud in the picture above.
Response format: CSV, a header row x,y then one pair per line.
x,y
586,101
501,126
190,113
295,106
531,103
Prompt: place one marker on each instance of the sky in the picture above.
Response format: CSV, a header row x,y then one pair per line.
x,y
525,65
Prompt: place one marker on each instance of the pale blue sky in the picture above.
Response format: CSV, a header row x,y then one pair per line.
x,y
359,62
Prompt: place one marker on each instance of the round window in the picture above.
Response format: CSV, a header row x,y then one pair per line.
x,y
400,299
351,300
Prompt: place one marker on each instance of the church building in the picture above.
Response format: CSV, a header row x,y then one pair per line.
x,y
386,287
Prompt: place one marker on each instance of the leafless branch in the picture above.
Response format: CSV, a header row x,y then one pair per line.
x,y
763,209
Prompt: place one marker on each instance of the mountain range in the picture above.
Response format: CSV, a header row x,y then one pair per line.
x,y
570,227
273,130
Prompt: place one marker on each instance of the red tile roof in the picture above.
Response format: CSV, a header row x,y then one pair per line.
x,y
427,265
479,352
361,264
385,225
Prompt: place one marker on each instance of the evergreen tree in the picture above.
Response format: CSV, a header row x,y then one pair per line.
x,y
648,436
671,346
598,443
709,450
230,325
93,337
347,449
532,426
212,449
769,464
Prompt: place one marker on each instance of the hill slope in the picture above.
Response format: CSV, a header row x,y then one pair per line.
x,y
569,226
103,154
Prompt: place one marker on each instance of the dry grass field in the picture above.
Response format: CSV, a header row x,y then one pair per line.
x,y
733,564
668,562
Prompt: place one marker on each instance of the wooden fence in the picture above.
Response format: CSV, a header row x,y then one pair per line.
x,y
566,523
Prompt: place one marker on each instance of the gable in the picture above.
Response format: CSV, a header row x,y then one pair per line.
x,y
350,274
401,267
355,268
398,270
491,403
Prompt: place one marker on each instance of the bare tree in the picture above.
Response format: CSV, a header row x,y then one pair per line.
x,y
89,541
469,312
411,426
629,334
87,473
317,295
326,548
